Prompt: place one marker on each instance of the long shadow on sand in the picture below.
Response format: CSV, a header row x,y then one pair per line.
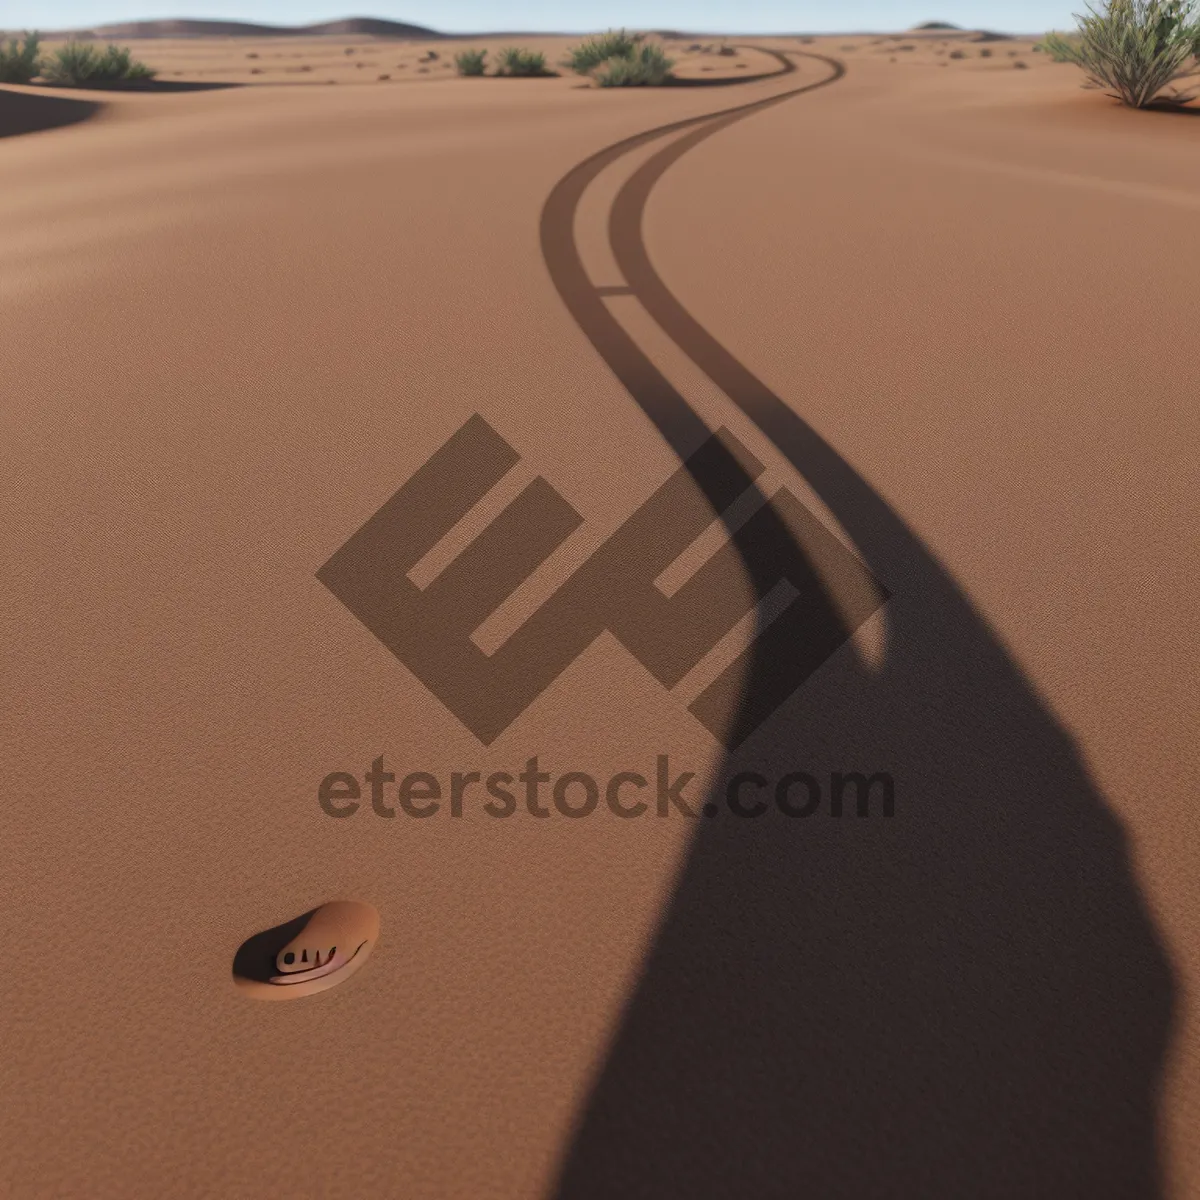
x,y
163,86
967,999
33,112
26,112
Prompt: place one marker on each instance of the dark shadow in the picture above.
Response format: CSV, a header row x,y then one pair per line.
x,y
25,112
964,1001
255,957
721,81
149,85
1176,108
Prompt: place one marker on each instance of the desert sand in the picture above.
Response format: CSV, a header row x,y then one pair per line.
x,y
947,303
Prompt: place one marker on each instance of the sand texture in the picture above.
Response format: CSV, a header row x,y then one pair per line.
x,y
947,303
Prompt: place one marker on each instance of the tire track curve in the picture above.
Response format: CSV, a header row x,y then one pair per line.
x,y
670,412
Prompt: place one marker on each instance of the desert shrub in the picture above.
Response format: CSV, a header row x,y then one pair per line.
x,y
80,64
649,67
19,63
517,62
958,54
985,54
1136,48
620,59
471,62
588,55
1057,47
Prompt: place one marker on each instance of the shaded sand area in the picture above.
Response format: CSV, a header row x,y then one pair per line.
x,y
944,307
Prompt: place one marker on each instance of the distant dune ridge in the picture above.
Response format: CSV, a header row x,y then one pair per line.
x,y
349,26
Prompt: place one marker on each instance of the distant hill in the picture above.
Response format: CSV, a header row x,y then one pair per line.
x,y
349,27
370,27
971,35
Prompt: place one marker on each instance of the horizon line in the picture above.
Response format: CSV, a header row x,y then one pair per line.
x,y
455,33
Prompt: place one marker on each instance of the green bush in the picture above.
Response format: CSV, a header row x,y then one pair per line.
x,y
80,64
1056,47
1134,47
20,63
470,62
517,62
587,56
649,67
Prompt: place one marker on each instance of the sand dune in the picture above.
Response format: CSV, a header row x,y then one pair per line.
x,y
940,299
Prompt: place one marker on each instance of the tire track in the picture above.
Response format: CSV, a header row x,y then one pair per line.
x,y
776,663
879,536
665,406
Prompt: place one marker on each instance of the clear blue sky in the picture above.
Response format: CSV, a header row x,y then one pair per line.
x,y
716,16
